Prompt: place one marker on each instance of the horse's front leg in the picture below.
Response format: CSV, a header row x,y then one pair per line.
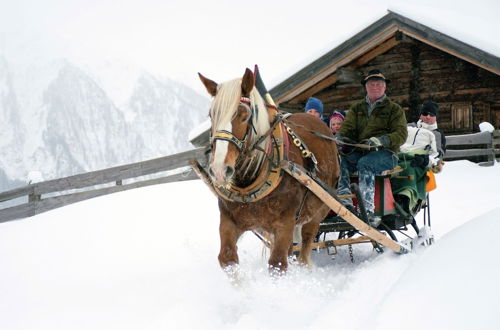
x,y
309,232
229,234
283,238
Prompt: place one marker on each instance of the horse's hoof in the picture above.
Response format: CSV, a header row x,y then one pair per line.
x,y
234,274
277,271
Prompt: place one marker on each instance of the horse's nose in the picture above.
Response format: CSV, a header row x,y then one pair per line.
x,y
222,173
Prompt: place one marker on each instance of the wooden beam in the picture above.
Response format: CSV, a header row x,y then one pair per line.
x,y
315,89
41,205
464,153
348,75
109,175
118,173
382,48
476,138
16,193
337,242
335,205
449,51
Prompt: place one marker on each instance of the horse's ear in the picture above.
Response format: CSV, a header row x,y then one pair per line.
x,y
210,85
247,83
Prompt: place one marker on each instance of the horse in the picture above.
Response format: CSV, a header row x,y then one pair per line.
x,y
241,145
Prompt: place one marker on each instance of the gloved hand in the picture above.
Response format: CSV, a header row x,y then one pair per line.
x,y
420,161
438,167
374,142
346,149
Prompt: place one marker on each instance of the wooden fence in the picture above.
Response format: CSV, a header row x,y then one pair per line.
x,y
47,195
474,147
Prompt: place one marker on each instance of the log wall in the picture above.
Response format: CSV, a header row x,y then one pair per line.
x,y
466,94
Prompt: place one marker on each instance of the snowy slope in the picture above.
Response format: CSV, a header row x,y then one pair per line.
x,y
147,259
60,118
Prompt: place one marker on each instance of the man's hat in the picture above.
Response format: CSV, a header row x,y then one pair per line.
x,y
430,107
375,74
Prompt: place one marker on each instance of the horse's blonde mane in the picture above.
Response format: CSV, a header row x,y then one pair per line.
x,y
223,109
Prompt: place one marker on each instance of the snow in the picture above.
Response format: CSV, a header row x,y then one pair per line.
x,y
199,129
486,127
34,177
178,39
147,259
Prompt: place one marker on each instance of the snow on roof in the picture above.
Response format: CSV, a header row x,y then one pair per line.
x,y
459,24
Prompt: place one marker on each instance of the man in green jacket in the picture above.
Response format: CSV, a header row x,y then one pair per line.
x,y
379,123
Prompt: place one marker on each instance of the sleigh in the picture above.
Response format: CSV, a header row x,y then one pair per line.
x,y
272,171
337,229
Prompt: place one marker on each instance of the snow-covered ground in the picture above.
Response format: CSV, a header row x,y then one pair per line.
x,y
147,259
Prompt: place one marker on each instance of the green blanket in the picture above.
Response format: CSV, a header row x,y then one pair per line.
x,y
414,187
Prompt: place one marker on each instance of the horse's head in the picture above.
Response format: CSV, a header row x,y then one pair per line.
x,y
238,116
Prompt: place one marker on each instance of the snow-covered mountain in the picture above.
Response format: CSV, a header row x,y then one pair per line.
x,y
61,119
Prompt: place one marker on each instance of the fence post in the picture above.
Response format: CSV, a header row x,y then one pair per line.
x,y
496,144
491,156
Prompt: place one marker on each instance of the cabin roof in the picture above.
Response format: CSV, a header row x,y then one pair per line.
x,y
374,40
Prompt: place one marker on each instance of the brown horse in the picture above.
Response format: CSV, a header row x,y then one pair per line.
x,y
240,144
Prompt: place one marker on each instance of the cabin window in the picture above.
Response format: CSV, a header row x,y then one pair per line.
x,y
461,117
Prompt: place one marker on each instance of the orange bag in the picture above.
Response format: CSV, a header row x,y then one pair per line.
x,y
431,181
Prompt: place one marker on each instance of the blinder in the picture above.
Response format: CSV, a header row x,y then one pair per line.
x,y
229,136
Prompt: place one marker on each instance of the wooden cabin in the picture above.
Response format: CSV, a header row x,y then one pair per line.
x,y
422,64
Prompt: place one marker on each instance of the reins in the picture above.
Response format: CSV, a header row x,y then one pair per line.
x,y
336,140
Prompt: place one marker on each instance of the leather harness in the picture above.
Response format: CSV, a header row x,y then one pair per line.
x,y
271,173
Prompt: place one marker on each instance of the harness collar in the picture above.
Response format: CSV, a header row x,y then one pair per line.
x,y
270,174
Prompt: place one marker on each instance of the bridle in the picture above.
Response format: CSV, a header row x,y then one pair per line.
x,y
268,174
229,136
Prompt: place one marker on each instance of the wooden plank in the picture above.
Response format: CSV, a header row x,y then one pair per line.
x,y
202,139
35,207
454,154
348,75
17,212
118,173
16,193
48,204
476,138
337,242
301,176
380,49
318,87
